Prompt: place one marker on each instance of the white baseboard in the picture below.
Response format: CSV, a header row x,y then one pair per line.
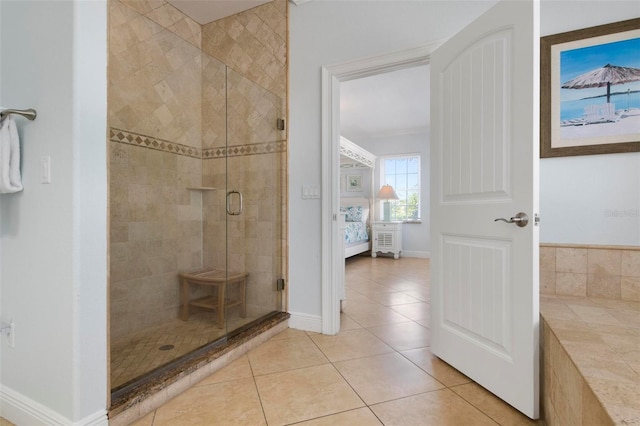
x,y
22,410
96,419
418,254
305,322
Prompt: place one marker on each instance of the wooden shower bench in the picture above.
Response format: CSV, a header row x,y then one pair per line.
x,y
213,278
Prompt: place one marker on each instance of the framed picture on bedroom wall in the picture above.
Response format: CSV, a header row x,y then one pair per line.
x,y
354,183
590,91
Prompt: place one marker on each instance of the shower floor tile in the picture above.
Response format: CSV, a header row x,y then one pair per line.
x,y
140,353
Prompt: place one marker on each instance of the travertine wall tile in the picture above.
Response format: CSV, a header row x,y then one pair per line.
x,y
571,260
166,15
177,115
630,263
253,43
547,282
607,286
571,284
611,272
548,259
604,262
154,79
630,288
592,411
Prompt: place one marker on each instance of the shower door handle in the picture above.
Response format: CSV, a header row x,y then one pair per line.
x,y
240,203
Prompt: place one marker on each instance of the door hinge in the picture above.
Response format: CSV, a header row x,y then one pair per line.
x,y
280,284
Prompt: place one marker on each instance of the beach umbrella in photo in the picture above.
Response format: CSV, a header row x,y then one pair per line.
x,y
605,76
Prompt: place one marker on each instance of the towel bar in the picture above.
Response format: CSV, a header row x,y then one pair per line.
x,y
29,114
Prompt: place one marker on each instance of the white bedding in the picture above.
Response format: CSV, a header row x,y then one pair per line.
x,y
356,235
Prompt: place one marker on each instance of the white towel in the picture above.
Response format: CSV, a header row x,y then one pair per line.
x,y
10,180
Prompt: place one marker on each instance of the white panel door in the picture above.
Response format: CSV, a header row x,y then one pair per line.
x,y
485,304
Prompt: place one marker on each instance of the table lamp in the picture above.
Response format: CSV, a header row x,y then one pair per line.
x,y
387,193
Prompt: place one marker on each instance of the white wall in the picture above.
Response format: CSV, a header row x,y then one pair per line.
x,y
366,28
53,237
591,199
330,32
415,236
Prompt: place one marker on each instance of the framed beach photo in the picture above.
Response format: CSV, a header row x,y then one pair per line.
x,y
354,183
590,91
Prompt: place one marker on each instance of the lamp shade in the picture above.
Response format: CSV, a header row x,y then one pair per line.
x,y
387,193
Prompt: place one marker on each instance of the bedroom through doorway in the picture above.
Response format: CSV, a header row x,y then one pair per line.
x,y
383,121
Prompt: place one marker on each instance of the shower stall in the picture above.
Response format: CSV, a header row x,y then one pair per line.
x,y
197,198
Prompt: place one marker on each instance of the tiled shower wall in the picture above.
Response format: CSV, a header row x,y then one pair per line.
x,y
253,44
168,118
593,271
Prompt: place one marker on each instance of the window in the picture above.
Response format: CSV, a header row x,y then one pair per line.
x,y
403,174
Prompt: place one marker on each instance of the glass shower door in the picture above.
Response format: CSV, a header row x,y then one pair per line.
x,y
255,165
247,216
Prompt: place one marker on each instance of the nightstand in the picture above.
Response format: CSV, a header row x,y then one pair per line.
x,y
387,238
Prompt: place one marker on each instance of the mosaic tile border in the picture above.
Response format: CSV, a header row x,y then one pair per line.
x,y
136,139
242,150
144,141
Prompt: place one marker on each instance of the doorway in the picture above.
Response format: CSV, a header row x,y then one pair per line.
x,y
332,271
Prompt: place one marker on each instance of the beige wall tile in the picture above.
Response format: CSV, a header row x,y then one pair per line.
x,y
165,89
548,259
253,43
592,411
619,397
571,383
548,282
156,100
607,286
630,260
630,288
604,262
571,260
571,284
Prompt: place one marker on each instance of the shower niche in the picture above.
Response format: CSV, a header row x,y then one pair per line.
x,y
197,180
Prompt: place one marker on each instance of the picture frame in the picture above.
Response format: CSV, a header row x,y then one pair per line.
x,y
586,105
354,183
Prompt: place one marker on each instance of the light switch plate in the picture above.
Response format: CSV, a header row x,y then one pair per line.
x,y
310,192
45,169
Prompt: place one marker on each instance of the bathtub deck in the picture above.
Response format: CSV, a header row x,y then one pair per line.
x,y
591,360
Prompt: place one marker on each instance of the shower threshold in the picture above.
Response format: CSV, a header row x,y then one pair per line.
x,y
137,390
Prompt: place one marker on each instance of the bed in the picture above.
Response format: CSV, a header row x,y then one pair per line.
x,y
356,226
357,210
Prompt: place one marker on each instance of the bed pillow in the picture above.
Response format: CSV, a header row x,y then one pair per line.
x,y
354,214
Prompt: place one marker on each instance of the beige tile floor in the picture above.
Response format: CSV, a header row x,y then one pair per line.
x,y
377,371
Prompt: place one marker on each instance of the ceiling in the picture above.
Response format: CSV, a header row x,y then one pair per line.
x,y
205,11
383,105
